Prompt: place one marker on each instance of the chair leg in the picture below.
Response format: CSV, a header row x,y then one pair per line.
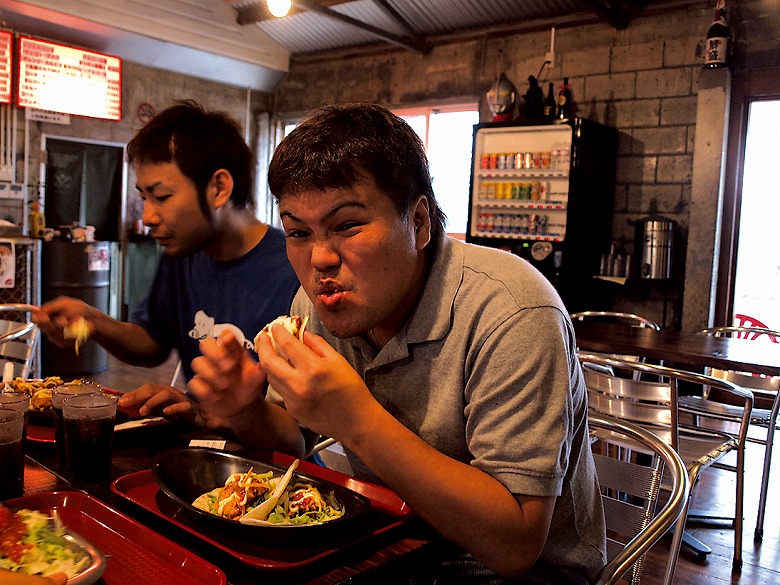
x,y
739,511
677,539
770,439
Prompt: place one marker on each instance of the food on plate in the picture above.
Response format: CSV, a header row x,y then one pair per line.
x,y
39,390
262,499
41,400
78,330
296,325
29,543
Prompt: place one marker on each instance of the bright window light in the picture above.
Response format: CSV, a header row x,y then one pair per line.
x,y
279,8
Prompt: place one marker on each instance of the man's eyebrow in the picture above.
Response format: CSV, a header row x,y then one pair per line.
x,y
331,213
149,188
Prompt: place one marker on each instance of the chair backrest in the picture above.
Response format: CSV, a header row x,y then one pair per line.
x,y
652,400
747,321
616,317
18,340
630,495
764,387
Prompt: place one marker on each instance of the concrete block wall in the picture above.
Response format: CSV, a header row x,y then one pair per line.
x,y
642,80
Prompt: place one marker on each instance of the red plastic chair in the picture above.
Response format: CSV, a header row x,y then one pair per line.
x,y
746,321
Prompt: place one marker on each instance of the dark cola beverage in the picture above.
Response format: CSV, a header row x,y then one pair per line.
x,y
88,444
12,476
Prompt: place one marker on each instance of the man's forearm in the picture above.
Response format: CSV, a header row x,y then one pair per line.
x,y
128,342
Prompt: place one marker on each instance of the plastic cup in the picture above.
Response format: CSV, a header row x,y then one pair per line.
x,y
59,394
89,433
17,401
11,453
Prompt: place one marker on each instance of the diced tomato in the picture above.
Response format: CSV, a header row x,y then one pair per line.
x,y
12,531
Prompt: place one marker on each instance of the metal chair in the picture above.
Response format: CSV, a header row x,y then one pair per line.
x,y
653,404
621,318
19,338
766,392
630,493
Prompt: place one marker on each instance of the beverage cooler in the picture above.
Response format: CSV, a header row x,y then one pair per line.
x,y
546,193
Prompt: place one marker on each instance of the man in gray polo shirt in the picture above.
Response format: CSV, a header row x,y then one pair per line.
x,y
447,371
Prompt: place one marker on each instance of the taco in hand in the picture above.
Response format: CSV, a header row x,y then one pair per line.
x,y
296,325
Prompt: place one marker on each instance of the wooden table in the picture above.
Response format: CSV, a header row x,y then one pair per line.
x,y
383,559
674,347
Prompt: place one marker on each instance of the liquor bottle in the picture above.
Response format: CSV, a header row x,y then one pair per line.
x,y
550,108
564,101
716,45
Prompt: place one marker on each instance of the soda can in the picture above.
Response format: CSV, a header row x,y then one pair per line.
x,y
492,160
501,161
546,159
519,160
533,223
484,161
529,160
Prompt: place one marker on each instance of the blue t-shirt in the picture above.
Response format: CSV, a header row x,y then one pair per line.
x,y
195,297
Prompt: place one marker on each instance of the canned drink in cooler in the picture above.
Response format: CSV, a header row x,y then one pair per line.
x,y
501,161
484,161
533,223
519,160
492,160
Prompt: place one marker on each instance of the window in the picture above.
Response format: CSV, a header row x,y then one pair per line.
x,y
447,133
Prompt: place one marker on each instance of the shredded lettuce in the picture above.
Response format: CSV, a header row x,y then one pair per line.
x,y
49,552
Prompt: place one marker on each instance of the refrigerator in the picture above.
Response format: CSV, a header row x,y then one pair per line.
x,y
546,193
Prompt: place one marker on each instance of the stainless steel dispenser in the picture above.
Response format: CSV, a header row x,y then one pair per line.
x,y
655,236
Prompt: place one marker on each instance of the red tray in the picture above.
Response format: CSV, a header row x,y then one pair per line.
x,y
134,553
387,512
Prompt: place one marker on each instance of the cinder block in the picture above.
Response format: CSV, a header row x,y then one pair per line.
x,y
663,82
638,56
660,140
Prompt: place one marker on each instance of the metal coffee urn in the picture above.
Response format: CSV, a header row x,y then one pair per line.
x,y
655,242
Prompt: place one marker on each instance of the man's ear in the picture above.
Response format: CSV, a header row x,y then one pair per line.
x,y
222,183
421,219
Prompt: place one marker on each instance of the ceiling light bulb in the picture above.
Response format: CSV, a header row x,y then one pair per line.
x,y
279,8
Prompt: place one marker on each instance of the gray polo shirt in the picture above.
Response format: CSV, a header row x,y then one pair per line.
x,y
485,371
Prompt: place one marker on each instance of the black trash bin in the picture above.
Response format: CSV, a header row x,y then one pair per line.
x,y
82,271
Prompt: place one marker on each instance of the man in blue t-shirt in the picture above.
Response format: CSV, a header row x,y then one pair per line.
x,y
222,268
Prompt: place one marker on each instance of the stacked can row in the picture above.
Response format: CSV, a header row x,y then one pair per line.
x,y
512,190
515,160
511,223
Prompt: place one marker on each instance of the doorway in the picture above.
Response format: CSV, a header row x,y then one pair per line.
x,y
85,182
749,267
757,278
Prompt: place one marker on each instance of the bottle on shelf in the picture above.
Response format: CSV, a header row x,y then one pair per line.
x,y
717,43
37,220
550,108
564,101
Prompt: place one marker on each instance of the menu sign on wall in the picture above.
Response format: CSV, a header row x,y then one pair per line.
x,y
72,81
6,42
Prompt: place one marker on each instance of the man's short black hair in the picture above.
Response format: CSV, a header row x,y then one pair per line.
x,y
199,142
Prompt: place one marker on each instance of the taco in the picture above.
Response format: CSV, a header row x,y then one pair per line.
x,y
244,494
295,325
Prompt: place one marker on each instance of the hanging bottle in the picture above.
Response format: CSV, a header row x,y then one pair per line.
x,y
549,110
717,43
564,101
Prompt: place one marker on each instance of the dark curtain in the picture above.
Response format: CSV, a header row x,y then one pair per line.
x,y
84,184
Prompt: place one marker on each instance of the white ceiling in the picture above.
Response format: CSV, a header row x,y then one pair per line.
x,y
196,37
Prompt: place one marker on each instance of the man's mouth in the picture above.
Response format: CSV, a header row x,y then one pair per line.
x,y
330,294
